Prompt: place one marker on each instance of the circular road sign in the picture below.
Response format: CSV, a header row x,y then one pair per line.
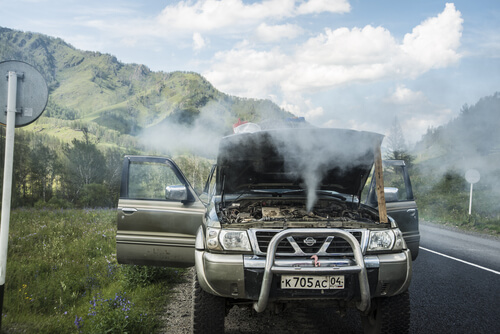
x,y
32,92
472,176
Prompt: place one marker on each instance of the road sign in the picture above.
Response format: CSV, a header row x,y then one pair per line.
x,y
23,97
32,92
472,176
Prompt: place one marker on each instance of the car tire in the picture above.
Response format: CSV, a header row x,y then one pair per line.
x,y
208,311
388,315
414,252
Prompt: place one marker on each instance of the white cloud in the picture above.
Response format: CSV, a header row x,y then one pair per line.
x,y
218,15
403,95
247,72
198,41
319,6
314,113
343,46
267,34
433,43
342,56
303,108
212,15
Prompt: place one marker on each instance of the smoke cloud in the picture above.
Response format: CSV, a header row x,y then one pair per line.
x,y
312,154
199,136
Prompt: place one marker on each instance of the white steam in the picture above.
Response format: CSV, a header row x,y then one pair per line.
x,y
311,154
201,137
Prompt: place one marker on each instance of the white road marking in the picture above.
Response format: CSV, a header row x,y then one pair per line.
x,y
459,260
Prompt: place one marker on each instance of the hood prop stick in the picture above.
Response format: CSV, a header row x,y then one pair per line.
x,y
379,181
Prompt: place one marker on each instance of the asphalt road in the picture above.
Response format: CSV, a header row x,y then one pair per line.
x,y
449,295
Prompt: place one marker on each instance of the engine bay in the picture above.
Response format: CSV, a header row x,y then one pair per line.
x,y
251,211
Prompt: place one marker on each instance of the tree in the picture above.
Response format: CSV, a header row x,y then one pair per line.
x,y
42,165
397,149
21,171
114,158
85,165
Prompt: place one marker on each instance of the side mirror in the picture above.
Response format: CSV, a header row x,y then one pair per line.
x,y
176,193
391,194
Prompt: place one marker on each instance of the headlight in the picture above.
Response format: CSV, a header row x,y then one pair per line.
x,y
213,239
235,240
399,242
230,240
381,240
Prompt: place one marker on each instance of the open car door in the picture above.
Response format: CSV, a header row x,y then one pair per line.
x,y
158,214
400,202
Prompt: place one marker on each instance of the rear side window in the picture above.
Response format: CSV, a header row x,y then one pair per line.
x,y
148,180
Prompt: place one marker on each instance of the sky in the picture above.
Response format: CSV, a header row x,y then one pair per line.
x,y
358,64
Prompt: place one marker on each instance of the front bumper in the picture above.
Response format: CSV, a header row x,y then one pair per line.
x,y
257,278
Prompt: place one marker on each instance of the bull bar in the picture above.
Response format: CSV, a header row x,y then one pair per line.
x,y
271,268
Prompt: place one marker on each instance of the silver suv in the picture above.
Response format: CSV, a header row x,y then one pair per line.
x,y
281,222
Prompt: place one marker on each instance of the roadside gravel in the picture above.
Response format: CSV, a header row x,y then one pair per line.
x,y
177,317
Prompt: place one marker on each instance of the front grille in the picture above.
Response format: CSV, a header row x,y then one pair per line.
x,y
303,243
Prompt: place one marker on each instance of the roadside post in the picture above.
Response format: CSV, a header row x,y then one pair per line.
x,y
472,176
23,98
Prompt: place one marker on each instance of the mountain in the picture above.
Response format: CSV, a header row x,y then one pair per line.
x,y
471,140
119,103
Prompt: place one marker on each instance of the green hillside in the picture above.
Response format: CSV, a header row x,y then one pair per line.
x,y
470,141
96,91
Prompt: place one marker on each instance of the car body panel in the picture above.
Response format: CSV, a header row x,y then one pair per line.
x,y
152,230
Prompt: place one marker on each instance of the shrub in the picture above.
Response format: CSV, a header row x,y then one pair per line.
x,y
95,196
53,203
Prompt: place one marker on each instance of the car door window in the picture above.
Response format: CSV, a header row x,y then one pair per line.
x,y
148,180
394,183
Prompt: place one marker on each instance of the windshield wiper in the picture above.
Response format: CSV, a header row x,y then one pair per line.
x,y
296,191
270,192
328,193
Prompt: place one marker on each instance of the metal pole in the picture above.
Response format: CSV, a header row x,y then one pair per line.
x,y
7,180
470,200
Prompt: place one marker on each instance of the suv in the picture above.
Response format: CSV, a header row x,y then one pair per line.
x,y
280,223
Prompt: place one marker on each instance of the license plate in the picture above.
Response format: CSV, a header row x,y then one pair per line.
x,y
312,282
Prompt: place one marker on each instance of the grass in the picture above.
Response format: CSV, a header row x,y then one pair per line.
x,y
453,209
62,277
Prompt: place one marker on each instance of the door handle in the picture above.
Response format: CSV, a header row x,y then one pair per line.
x,y
129,211
412,212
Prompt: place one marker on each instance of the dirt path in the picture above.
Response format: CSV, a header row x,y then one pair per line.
x,y
177,318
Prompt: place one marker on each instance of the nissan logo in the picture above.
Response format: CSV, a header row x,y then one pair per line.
x,y
309,241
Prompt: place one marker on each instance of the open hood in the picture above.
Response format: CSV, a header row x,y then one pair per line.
x,y
309,158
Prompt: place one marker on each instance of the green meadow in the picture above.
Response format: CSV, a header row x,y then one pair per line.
x,y
62,277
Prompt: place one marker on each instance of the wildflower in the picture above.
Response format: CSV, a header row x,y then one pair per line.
x,y
78,322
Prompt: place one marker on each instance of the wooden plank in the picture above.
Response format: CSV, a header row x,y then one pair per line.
x,y
379,179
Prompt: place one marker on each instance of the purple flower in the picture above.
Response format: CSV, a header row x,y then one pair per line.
x,y
78,322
